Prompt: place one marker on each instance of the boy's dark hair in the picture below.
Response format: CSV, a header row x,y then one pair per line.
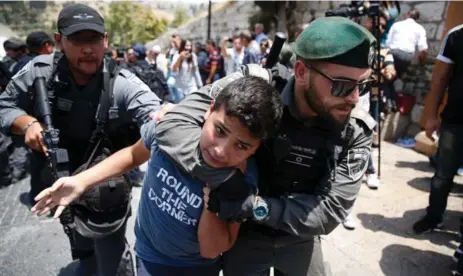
x,y
254,102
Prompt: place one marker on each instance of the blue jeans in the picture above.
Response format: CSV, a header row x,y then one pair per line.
x,y
370,168
450,154
145,268
175,95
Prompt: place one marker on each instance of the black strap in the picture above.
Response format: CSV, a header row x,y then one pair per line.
x,y
110,73
54,71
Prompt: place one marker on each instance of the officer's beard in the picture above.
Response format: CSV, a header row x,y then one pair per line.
x,y
322,110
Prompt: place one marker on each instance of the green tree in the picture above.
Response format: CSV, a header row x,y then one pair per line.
x,y
129,22
180,17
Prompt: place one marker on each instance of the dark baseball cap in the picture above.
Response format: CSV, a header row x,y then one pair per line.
x,y
13,44
79,17
37,39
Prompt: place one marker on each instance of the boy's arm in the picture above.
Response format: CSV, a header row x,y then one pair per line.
x,y
215,235
67,189
115,165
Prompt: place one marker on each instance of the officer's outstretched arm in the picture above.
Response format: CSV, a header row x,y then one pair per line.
x,y
307,215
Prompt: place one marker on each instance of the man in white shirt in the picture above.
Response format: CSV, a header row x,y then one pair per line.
x,y
155,56
260,35
404,38
233,57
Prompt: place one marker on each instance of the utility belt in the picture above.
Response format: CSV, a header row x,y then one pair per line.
x,y
262,229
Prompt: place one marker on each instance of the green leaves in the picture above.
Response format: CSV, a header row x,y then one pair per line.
x,y
180,17
128,22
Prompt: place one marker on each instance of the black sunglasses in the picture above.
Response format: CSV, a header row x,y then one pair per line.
x,y
342,87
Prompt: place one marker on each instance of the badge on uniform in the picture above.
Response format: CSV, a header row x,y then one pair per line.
x,y
357,161
64,104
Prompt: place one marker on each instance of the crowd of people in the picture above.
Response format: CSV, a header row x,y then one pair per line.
x,y
228,136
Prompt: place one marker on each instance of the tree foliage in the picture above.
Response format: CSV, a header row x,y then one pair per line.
x,y
180,17
128,22
24,17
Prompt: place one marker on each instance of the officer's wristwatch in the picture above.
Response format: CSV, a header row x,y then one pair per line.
x,y
260,209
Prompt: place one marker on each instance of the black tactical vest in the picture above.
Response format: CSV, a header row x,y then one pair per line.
x,y
74,109
299,157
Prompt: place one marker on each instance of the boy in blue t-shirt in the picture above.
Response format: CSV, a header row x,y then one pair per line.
x,y
175,232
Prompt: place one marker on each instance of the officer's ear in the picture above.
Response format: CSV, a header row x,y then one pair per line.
x,y
301,73
58,38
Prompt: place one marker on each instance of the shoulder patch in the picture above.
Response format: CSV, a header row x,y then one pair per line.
x,y
357,161
220,84
362,115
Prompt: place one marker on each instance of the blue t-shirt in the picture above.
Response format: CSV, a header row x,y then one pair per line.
x,y
171,204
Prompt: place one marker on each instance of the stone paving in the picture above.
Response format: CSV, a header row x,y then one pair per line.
x,y
382,243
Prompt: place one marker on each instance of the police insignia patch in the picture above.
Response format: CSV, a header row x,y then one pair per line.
x,y
357,160
215,91
371,55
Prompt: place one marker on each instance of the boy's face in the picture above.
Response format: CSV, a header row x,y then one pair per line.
x,y
225,141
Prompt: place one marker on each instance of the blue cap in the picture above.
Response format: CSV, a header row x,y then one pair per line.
x,y
139,50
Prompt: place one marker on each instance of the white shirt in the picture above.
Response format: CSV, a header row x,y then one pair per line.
x,y
234,61
407,35
187,79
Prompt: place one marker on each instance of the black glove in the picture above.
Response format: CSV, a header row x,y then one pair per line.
x,y
234,195
237,210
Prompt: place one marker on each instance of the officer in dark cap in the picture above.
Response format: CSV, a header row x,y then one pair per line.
x,y
76,80
15,49
40,43
311,170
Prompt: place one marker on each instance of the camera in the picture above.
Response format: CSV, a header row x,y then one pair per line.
x,y
356,9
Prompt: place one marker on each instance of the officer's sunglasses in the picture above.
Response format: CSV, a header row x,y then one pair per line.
x,y
343,87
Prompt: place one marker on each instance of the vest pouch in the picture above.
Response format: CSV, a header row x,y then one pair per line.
x,y
74,118
102,210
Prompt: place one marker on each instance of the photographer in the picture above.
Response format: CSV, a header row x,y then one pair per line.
x,y
185,64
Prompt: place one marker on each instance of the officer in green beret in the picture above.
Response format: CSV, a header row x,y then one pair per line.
x,y
310,170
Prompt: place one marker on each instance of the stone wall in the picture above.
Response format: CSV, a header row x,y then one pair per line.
x,y
226,19
233,16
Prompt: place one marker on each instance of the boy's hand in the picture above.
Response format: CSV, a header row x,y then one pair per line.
x,y
206,192
64,191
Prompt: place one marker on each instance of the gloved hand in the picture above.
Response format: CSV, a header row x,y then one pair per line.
x,y
234,188
237,210
233,200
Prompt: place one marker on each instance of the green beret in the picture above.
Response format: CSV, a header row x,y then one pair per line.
x,y
336,40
